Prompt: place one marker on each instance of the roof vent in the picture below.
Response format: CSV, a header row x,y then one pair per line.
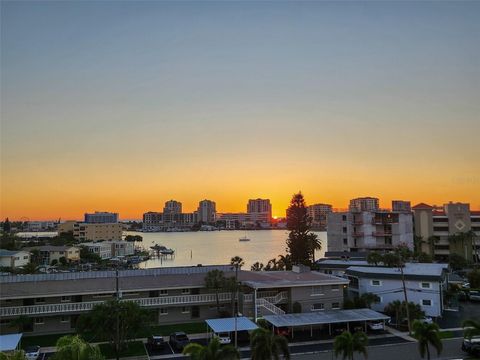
x,y
300,268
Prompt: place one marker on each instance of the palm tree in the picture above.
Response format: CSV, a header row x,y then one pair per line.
x,y
213,351
395,307
369,298
265,345
258,266
427,334
237,262
472,328
315,244
347,344
75,348
215,280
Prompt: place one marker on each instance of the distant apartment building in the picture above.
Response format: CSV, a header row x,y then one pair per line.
x,y
158,221
435,225
318,213
50,253
100,217
66,226
366,227
41,225
425,285
206,212
260,210
14,258
101,248
52,303
172,207
364,204
97,231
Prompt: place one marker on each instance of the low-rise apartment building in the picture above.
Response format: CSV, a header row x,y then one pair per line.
x,y
66,227
424,283
53,302
98,232
122,248
49,253
13,258
366,227
435,225
100,248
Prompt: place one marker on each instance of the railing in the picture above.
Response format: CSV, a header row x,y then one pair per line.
x,y
272,296
270,307
381,234
277,298
87,306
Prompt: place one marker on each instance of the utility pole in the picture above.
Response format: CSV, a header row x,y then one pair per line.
x,y
400,264
117,334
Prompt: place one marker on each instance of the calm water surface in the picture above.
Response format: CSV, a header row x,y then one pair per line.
x,y
217,247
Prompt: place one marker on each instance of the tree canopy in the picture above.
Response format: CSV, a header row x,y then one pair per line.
x,y
213,351
427,334
347,344
265,345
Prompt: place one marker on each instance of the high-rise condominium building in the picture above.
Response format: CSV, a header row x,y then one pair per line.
x,y
206,212
260,210
100,217
364,204
172,207
436,225
366,227
318,213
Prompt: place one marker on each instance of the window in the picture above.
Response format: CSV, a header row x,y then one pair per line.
x,y
317,290
163,292
318,307
426,302
344,217
25,257
335,287
39,300
185,309
163,311
65,319
344,230
185,291
376,283
335,305
426,285
39,320
345,241
66,298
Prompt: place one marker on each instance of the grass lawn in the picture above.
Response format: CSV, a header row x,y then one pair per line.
x,y
135,348
189,328
446,334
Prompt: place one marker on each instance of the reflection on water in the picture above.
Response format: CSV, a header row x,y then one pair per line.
x,y
217,247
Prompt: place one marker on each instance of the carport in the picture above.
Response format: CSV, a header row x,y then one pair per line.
x,y
9,342
325,317
229,325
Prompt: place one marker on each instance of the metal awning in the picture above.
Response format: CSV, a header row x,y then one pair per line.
x,y
228,324
9,342
325,317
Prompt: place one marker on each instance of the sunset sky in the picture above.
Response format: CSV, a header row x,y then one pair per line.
x,y
120,106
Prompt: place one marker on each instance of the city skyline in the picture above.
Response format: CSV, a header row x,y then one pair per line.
x,y
122,105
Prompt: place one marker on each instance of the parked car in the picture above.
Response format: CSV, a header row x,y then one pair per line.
x,y
376,326
283,331
426,320
223,338
474,296
156,342
471,346
32,352
178,340
338,330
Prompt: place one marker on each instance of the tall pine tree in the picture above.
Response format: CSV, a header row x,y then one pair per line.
x,y
301,243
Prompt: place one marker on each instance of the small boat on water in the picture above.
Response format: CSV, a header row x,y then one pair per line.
x,y
244,238
162,250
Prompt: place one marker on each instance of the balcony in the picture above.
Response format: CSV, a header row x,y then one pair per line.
x,y
382,233
87,306
357,234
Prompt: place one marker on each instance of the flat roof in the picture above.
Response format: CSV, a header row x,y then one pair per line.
x,y
279,279
410,270
9,342
325,317
228,324
11,252
339,263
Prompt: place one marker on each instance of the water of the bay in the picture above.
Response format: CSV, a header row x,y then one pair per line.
x,y
218,247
